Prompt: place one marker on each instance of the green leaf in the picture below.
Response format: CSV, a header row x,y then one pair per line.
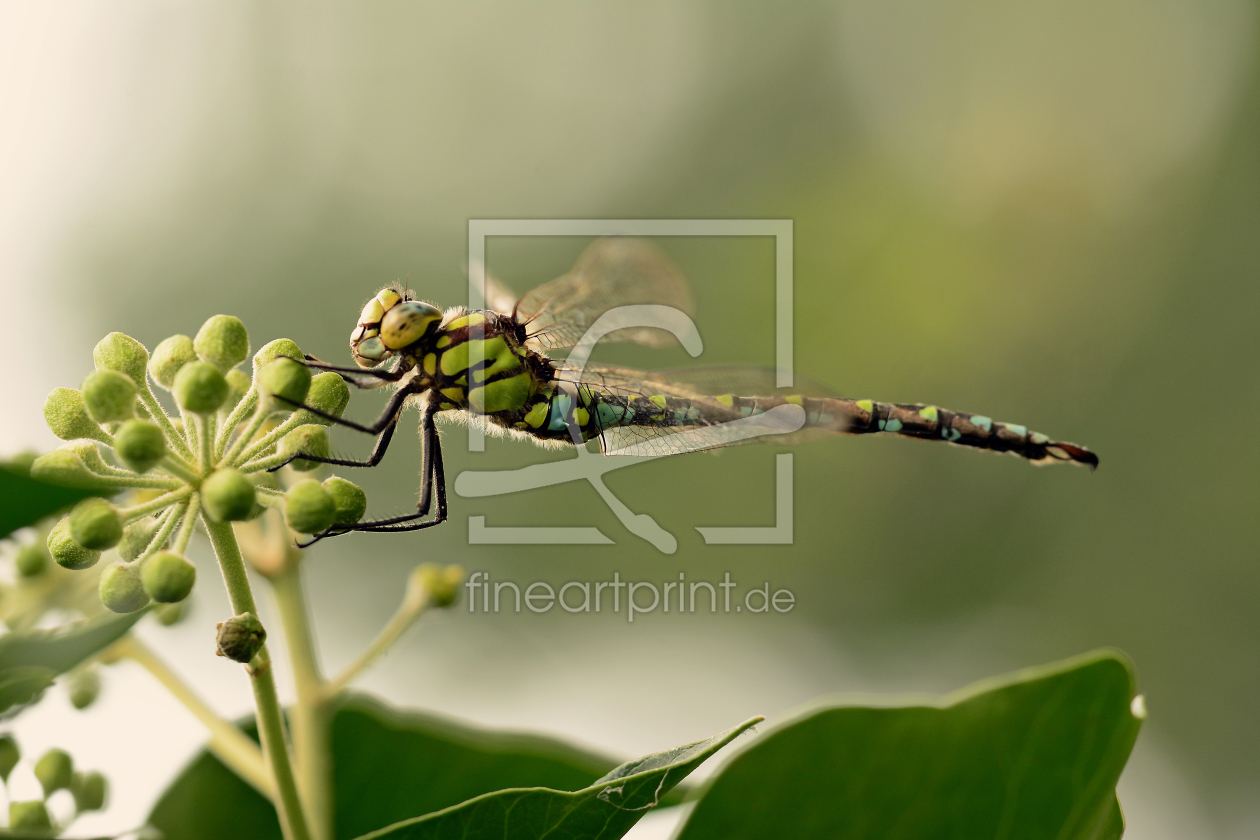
x,y
431,763
1034,755
29,660
603,811
25,500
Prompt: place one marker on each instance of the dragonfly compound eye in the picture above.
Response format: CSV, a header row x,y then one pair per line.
x,y
405,323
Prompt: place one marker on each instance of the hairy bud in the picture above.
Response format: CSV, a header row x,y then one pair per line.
x,y
90,791
94,524
282,383
200,388
32,814
308,507
83,687
54,771
68,553
228,495
349,500
441,582
10,755
67,416
305,440
167,577
169,356
31,560
240,637
223,342
121,590
140,445
330,394
120,352
109,396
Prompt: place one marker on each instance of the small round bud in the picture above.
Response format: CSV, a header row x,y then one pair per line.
x,y
31,560
10,755
223,342
200,388
273,350
140,445
109,396
83,687
32,814
240,637
330,394
68,553
308,507
238,386
90,791
67,416
169,615
94,524
65,467
441,582
283,383
349,500
305,440
228,495
54,771
121,590
167,577
169,356
136,538
124,354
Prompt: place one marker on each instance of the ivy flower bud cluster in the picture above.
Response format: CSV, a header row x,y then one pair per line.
x,y
55,771
212,461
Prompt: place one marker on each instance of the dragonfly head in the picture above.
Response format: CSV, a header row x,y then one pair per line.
x,y
391,322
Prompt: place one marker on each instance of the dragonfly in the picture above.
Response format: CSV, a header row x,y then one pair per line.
x,y
500,367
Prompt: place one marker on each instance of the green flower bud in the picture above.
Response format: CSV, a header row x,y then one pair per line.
x,y
84,686
31,560
167,577
442,583
240,637
90,791
121,590
124,354
66,551
330,394
10,755
200,388
168,357
349,500
308,507
109,396
32,814
140,445
65,467
273,350
305,440
171,614
67,416
54,771
223,342
228,495
283,378
94,524
238,386
136,538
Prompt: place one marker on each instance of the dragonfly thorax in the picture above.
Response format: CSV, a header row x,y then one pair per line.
x,y
391,322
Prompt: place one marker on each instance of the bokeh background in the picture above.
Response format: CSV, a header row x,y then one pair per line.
x,y
1043,212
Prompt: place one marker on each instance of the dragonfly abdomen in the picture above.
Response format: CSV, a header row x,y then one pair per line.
x,y
929,422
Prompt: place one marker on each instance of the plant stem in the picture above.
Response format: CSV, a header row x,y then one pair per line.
x,y
229,744
270,719
243,408
160,417
271,437
312,716
414,603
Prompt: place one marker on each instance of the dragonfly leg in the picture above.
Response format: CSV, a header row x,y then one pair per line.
x,y
378,451
433,484
383,427
381,376
388,416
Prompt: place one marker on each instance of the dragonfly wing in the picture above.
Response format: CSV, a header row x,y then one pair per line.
x,y
773,426
611,272
498,296
740,380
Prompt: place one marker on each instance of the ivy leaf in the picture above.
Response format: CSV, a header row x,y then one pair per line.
x,y
1035,755
30,659
25,500
605,810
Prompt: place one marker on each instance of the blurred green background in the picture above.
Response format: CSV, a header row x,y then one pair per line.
x,y
1046,213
